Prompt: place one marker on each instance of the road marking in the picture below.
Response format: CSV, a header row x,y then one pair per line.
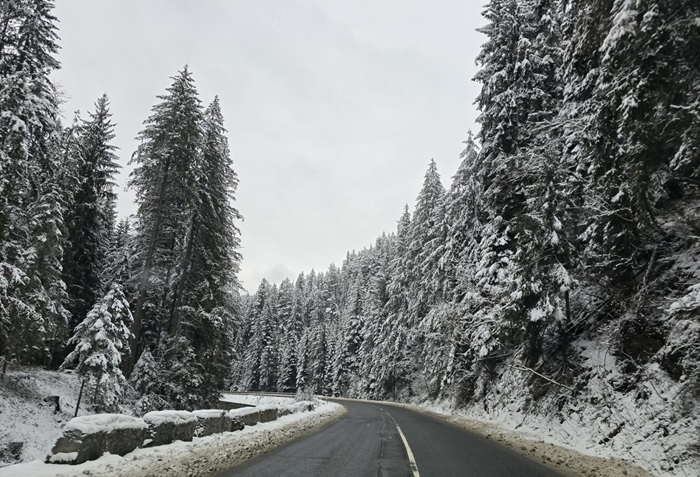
x,y
409,453
411,459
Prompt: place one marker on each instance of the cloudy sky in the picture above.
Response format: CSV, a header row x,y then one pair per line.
x,y
334,108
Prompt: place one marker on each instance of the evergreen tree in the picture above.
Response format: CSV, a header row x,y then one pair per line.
x,y
101,340
90,216
165,182
147,379
33,173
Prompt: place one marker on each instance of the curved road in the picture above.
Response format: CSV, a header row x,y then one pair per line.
x,y
366,442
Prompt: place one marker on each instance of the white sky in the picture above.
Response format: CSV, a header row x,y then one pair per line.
x,y
334,107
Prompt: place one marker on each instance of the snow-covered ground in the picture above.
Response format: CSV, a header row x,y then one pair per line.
x,y
602,429
26,417
201,457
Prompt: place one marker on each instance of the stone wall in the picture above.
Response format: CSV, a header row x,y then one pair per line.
x,y
89,437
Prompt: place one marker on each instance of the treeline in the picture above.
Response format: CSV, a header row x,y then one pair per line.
x,y
578,217
153,299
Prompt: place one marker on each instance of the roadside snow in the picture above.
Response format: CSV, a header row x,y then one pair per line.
x,y
602,431
257,399
201,457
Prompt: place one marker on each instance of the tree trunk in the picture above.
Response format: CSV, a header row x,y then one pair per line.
x,y
174,321
80,397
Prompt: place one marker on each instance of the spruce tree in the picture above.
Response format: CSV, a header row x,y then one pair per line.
x,y
101,340
91,213
33,179
165,182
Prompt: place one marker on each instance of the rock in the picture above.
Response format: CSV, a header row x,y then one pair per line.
x,y
267,414
88,437
12,451
125,440
75,447
236,423
165,427
55,401
211,421
249,416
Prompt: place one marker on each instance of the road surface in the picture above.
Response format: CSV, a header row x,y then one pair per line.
x,y
366,442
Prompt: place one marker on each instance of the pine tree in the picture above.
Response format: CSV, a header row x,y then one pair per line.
x,y
33,175
426,240
91,213
645,128
165,182
203,295
147,379
463,210
290,331
101,340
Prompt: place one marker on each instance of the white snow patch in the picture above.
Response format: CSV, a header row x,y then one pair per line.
x,y
257,399
105,423
176,417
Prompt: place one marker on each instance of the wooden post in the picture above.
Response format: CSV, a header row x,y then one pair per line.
x,y
80,397
4,368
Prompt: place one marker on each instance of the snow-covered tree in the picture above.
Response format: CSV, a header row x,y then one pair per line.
x,y
33,179
165,179
101,340
91,212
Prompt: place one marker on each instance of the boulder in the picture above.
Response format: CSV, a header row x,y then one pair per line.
x,y
236,423
11,452
267,414
165,427
250,415
211,421
54,401
88,437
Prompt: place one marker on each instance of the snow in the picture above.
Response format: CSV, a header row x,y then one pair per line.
x,y
208,413
257,399
63,457
177,417
105,423
603,428
26,417
201,457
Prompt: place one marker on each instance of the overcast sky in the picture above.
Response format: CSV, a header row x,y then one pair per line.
x,y
334,107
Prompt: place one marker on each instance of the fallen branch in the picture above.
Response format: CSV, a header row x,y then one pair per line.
x,y
525,368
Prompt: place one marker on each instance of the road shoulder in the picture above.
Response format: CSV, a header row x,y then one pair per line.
x,y
566,461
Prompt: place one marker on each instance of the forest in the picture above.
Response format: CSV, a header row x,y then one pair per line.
x,y
569,232
571,226
144,309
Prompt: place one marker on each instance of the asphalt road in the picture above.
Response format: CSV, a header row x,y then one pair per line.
x,y
366,442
